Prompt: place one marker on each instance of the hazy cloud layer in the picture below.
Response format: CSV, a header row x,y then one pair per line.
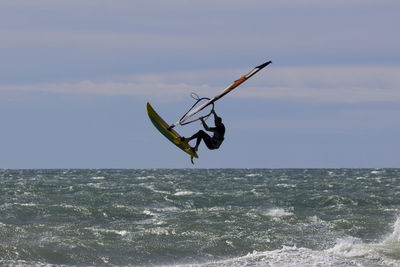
x,y
326,84
47,41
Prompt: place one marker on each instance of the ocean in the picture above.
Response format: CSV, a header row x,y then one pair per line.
x,y
200,217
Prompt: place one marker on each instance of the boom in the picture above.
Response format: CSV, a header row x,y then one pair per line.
x,y
224,92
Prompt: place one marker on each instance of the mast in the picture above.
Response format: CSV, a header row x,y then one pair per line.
x,y
223,93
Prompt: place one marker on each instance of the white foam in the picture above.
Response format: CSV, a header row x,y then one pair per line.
x,y
349,247
96,185
148,212
253,175
151,187
28,204
26,263
348,251
167,209
145,177
184,193
278,212
97,178
314,219
394,237
286,256
160,231
286,185
390,246
101,230
386,252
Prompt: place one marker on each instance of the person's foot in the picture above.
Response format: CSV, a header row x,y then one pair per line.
x,y
184,139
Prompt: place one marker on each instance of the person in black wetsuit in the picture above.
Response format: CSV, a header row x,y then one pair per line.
x,y
213,142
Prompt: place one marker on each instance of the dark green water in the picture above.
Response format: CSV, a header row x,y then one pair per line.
x,y
220,217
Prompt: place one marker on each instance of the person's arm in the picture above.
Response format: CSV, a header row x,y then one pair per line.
x,y
215,114
204,124
210,129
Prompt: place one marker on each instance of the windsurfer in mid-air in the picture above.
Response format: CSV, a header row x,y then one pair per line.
x,y
213,142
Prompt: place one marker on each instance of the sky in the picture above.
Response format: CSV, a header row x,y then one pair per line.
x,y
75,77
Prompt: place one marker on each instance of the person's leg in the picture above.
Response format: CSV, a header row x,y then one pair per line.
x,y
201,135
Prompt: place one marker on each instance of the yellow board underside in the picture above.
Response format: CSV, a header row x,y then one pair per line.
x,y
171,135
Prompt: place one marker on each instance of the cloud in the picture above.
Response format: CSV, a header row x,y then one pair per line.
x,y
275,26
48,40
330,84
312,84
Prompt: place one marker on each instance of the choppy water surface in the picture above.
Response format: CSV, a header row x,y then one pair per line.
x,y
221,217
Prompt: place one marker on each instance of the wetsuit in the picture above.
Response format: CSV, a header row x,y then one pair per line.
x,y
213,142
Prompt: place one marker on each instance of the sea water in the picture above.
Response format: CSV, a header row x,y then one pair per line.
x,y
200,217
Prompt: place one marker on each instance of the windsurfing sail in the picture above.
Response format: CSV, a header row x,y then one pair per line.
x,y
211,101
